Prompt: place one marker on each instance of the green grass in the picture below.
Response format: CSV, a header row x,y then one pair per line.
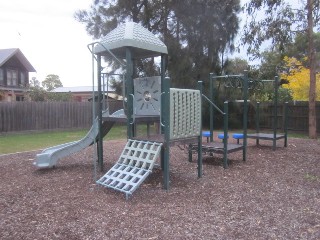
x,y
33,141
311,177
21,142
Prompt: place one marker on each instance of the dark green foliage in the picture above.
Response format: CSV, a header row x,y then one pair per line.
x,y
281,24
197,33
117,86
37,94
236,66
58,97
40,94
272,60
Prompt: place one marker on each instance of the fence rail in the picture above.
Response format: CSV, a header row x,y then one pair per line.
x,y
25,116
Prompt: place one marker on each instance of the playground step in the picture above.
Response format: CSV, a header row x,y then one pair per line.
x,y
206,134
134,165
237,136
221,136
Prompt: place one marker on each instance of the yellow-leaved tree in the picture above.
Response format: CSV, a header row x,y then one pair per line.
x,y
299,80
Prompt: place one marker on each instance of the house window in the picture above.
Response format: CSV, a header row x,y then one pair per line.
x,y
19,98
1,77
12,77
23,78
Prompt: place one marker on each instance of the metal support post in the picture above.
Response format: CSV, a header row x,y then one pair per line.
x,y
225,138
99,109
286,124
165,108
200,137
211,96
129,93
275,112
245,115
163,71
257,121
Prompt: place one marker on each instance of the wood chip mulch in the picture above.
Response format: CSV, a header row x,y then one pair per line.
x,y
273,195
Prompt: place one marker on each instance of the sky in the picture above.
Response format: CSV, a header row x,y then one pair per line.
x,y
50,38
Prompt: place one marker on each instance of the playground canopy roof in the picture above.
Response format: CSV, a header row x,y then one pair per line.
x,y
143,43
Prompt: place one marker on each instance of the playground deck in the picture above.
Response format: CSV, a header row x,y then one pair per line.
x,y
265,136
269,136
217,147
160,139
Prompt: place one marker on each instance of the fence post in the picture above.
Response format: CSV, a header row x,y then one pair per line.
x,y
257,121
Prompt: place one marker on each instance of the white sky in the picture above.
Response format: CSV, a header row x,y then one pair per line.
x,y
49,37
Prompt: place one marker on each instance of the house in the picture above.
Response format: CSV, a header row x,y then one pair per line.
x,y
84,93
14,75
112,101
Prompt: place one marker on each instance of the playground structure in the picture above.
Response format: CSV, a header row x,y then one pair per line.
x,y
243,83
148,100
274,136
224,148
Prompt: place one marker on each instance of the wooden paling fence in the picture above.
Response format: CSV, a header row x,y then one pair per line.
x,y
297,116
25,116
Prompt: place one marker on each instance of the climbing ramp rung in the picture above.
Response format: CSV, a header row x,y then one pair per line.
x,y
134,165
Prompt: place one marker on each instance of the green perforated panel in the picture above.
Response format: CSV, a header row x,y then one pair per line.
x,y
185,113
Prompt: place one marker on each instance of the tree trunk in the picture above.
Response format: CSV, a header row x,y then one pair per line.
x,y
312,60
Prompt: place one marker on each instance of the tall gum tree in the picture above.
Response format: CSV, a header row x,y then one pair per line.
x,y
195,31
279,21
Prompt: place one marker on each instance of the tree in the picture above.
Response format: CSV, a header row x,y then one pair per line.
x,y
236,66
34,82
298,79
40,94
272,61
196,32
58,97
51,82
299,48
36,92
280,25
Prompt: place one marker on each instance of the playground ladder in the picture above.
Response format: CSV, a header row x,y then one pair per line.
x,y
134,165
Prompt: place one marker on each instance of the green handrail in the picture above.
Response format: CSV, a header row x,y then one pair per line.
x,y
214,105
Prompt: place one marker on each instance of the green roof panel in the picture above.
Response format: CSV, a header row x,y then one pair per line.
x,y
142,42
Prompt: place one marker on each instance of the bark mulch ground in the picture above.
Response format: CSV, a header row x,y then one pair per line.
x,y
273,195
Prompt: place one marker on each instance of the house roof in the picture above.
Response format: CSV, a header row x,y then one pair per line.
x,y
79,89
143,42
110,95
6,54
86,89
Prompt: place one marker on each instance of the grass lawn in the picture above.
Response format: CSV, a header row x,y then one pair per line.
x,y
38,140
22,142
